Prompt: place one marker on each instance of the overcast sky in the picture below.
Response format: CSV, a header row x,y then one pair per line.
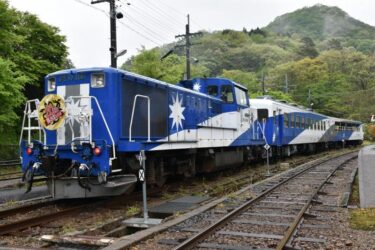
x,y
152,23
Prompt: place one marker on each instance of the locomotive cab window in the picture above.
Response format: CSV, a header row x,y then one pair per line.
x,y
97,80
241,97
212,90
227,93
262,114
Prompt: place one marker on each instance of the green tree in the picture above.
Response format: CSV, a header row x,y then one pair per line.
x,y
11,97
307,48
29,49
170,69
248,79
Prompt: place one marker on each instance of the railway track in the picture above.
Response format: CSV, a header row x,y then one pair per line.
x,y
269,215
14,162
11,228
61,212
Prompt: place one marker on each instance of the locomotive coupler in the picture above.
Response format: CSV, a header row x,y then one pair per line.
x,y
82,167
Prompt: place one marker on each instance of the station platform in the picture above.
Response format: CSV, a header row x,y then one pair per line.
x,y
366,174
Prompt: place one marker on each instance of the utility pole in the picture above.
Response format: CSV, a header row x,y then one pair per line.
x,y
187,45
112,17
263,87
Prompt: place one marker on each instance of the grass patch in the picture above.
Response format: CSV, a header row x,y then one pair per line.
x,y
9,169
132,210
360,218
354,196
363,219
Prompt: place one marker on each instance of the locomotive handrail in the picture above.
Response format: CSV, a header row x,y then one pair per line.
x,y
104,121
27,112
148,116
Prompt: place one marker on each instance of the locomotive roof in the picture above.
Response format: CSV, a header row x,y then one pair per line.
x,y
126,74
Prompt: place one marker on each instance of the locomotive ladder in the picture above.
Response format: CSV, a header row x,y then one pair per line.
x,y
31,114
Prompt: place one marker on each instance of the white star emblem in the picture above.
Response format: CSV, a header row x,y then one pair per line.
x,y
197,86
176,112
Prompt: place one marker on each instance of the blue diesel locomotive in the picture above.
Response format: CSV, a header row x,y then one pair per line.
x,y
86,133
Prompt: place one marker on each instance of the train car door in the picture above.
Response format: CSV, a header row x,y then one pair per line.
x,y
261,124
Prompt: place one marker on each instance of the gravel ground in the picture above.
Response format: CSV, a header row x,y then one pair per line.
x,y
330,229
338,235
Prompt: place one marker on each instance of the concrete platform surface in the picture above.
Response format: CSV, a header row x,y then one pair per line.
x,y
366,173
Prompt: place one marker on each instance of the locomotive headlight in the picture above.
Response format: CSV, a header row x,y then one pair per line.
x,y
97,80
51,84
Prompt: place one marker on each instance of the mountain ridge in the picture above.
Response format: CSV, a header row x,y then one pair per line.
x,y
321,22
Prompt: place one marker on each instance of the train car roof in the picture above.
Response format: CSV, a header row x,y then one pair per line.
x,y
268,100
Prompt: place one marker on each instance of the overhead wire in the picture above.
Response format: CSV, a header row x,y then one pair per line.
x,y
150,27
192,19
154,21
171,22
162,12
151,32
122,23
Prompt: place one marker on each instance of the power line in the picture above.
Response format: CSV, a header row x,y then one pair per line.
x,y
155,21
151,26
122,23
146,29
147,38
92,7
172,22
179,12
163,12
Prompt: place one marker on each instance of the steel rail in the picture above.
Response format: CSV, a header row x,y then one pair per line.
x,y
22,224
193,241
292,228
25,208
34,221
11,173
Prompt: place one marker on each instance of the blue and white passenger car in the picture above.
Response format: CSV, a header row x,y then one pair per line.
x,y
294,128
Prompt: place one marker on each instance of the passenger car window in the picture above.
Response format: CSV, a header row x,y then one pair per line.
x,y
298,121
226,93
292,120
212,90
286,120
